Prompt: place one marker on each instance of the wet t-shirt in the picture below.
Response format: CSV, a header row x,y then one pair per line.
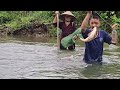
x,y
94,49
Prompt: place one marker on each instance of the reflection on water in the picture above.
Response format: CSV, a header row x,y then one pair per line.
x,y
92,71
110,71
35,58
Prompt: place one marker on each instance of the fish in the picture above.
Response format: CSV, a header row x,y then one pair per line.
x,y
91,36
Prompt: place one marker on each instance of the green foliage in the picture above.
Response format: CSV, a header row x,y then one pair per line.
x,y
53,32
43,16
4,17
18,19
111,17
115,19
80,16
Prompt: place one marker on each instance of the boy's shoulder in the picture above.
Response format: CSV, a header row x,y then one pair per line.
x,y
102,31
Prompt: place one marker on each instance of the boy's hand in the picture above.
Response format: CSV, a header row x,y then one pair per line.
x,y
115,26
90,12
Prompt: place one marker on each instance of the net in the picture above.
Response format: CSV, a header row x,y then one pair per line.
x,y
69,40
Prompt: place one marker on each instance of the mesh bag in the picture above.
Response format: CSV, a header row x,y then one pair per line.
x,y
69,40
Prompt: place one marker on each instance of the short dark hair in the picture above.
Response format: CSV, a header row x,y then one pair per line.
x,y
95,17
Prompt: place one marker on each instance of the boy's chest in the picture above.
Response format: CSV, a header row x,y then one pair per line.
x,y
99,39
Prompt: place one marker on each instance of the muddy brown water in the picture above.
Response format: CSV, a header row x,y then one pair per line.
x,y
32,58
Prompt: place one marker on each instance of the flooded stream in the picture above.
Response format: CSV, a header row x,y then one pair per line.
x,y
30,58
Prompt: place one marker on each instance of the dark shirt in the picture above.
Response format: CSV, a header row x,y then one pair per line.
x,y
66,30
94,49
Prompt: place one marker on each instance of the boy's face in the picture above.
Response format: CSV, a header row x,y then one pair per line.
x,y
94,23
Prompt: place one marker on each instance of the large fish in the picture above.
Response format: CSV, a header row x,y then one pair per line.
x,y
70,39
92,35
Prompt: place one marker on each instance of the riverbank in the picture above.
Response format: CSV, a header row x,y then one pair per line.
x,y
33,23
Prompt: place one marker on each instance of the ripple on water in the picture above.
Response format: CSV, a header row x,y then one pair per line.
x,y
43,61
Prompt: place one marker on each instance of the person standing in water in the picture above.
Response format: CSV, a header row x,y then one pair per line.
x,y
94,49
67,26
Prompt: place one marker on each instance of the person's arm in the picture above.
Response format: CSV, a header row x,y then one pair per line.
x,y
113,39
85,21
114,34
55,20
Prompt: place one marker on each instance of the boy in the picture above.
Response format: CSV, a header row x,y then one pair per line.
x,y
94,49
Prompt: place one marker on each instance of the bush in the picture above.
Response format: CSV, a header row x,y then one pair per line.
x,y
53,31
4,17
18,19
